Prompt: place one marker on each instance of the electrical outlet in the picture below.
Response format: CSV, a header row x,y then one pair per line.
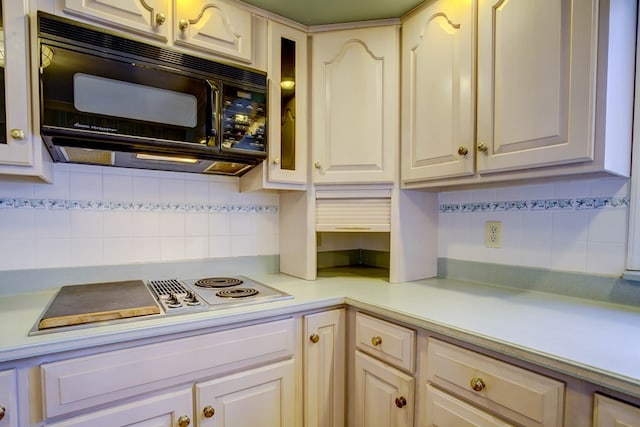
x,y
493,234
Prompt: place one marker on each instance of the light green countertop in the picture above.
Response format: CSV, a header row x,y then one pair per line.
x,y
590,340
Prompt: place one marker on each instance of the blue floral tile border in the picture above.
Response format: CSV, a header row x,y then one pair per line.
x,y
12,203
537,205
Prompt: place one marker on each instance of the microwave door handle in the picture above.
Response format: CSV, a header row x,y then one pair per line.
x,y
214,102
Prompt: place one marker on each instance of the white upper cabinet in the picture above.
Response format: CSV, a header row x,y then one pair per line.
x,y
144,16
536,74
210,26
438,90
552,94
355,83
215,25
21,151
286,166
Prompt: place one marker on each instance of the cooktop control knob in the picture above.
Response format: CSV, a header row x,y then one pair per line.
x,y
173,301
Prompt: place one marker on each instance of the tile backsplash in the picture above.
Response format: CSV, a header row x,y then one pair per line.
x,y
569,225
95,215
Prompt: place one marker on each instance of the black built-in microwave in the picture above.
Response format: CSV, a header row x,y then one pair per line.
x,y
111,100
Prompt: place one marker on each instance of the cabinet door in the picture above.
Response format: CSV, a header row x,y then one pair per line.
x,y
355,80
324,372
608,412
261,397
16,139
8,399
144,16
438,91
445,410
536,83
174,409
383,395
215,26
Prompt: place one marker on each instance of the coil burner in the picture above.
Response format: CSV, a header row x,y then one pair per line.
x,y
218,282
237,293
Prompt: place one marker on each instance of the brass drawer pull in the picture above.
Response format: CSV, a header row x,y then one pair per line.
x,y
477,384
314,338
376,341
208,411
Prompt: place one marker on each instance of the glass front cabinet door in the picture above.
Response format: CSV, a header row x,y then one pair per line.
x,y
286,165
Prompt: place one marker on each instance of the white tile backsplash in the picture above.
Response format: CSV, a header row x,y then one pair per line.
x,y
94,215
585,235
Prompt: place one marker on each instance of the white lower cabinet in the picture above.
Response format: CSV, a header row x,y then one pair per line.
x,y
8,399
171,409
383,394
324,368
445,410
512,393
243,377
608,412
261,397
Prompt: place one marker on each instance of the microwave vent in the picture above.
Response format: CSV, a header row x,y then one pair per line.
x,y
84,155
227,168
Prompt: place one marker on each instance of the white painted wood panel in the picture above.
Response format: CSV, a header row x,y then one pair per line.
x,y
9,398
83,382
163,410
438,91
608,412
525,397
324,368
355,114
261,397
536,83
215,26
377,386
150,17
443,409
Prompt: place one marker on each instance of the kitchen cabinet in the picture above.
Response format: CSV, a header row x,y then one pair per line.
x,y
209,26
608,412
492,386
384,364
136,380
261,397
544,101
215,26
355,114
21,150
169,409
324,368
286,165
8,399
383,394
147,17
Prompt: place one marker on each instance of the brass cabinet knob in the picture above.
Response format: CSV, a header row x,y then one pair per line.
x,y
17,134
2,412
376,341
462,151
184,421
183,24
477,384
208,411
314,338
483,148
160,18
317,165
401,402
276,161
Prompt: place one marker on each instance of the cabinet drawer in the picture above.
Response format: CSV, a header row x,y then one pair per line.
x,y
608,412
389,342
8,399
519,395
83,382
445,410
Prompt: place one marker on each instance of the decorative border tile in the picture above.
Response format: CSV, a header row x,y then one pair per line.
x,y
11,203
537,205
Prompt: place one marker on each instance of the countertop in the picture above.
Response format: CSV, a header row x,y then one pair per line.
x,y
586,339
